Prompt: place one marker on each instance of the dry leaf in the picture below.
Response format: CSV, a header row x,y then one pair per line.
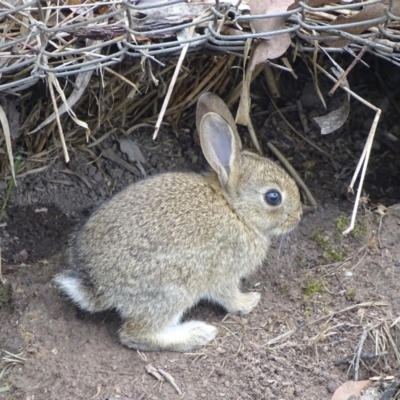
x,y
132,150
277,44
7,136
81,82
350,388
333,120
336,118
167,16
313,3
267,49
368,13
10,108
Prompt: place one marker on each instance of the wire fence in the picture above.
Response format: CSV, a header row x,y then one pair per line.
x,y
38,38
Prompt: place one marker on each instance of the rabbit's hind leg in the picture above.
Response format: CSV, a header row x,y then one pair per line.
x,y
176,336
77,287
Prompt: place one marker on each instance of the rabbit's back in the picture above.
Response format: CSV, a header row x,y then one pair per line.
x,y
172,228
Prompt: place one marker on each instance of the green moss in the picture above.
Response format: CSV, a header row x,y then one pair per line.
x,y
334,255
342,222
350,294
320,240
284,289
307,310
312,288
359,229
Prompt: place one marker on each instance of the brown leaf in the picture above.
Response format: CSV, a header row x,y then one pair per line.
x,y
103,9
367,13
349,389
313,3
268,49
277,44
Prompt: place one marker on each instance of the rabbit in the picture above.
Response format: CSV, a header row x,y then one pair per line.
x,y
164,243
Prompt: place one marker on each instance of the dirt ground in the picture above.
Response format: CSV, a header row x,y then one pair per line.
x,y
324,296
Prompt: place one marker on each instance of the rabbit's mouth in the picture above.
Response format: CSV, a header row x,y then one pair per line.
x,y
291,223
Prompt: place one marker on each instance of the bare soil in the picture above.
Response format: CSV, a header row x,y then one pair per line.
x,y
322,293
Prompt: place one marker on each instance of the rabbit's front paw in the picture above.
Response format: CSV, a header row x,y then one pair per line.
x,y
246,303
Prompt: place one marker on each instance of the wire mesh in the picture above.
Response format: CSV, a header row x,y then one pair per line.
x,y
37,38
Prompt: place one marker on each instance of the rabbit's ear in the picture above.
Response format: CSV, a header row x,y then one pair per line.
x,y
221,146
210,102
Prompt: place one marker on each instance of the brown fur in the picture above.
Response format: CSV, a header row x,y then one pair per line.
x,y
162,244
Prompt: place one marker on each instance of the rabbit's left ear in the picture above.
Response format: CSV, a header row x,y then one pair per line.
x,y
210,102
221,146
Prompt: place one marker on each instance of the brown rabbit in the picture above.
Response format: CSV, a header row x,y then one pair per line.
x,y
162,244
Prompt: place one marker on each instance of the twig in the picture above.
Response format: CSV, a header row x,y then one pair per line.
x,y
2,280
392,342
170,379
57,116
343,77
253,136
271,81
111,71
173,81
293,173
296,131
363,162
302,115
363,357
97,393
356,360
7,135
113,156
360,305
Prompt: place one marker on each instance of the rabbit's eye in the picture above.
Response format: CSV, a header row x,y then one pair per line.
x,y
273,197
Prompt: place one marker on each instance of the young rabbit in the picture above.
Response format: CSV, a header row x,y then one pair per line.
x,y
162,244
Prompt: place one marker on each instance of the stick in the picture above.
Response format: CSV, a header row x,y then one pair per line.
x,y
293,173
366,151
253,136
173,81
357,356
1,276
170,379
60,129
343,77
365,154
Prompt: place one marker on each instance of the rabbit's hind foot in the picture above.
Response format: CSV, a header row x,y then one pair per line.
x,y
177,337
